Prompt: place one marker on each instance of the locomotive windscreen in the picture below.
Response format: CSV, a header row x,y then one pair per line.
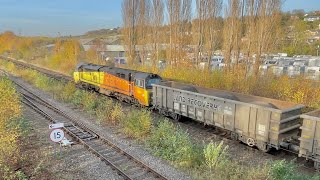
x,y
152,81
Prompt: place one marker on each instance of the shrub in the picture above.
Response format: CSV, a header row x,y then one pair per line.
x,y
10,111
215,154
67,91
104,109
77,98
173,144
42,82
137,123
89,101
116,113
283,170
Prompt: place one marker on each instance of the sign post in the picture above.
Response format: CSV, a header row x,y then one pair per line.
x,y
56,126
56,135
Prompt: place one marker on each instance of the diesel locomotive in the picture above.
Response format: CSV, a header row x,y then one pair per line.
x,y
124,84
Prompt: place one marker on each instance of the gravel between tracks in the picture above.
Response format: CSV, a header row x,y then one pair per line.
x,y
111,133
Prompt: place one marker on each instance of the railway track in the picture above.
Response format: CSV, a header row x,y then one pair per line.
x,y
48,72
123,163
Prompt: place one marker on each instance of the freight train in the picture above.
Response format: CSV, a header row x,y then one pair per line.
x,y
256,121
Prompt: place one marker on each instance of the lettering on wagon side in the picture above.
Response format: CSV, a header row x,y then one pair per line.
x,y
197,102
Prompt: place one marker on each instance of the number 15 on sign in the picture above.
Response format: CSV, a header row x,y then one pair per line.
x,y
56,135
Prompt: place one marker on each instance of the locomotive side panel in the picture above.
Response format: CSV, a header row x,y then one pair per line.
x,y
116,84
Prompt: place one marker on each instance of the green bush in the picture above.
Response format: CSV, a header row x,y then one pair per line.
x,y
21,124
89,101
77,98
116,114
215,154
173,144
137,123
67,92
283,170
43,82
104,109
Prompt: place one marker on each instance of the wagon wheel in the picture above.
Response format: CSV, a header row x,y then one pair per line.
x,y
175,116
251,142
162,112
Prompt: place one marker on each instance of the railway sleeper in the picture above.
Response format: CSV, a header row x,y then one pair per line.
x,y
139,174
98,146
106,150
121,161
89,138
118,159
100,149
110,154
128,165
134,170
86,136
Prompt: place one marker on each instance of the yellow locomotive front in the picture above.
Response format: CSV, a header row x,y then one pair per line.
x,y
143,87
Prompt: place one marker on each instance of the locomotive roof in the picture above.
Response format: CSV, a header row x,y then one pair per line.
x,y
137,74
142,75
92,66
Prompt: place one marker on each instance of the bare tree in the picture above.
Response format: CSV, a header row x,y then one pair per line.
x,y
156,20
232,31
251,13
267,28
143,28
179,15
130,9
213,27
207,28
198,27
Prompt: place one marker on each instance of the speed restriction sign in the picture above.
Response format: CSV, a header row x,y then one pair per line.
x,y
56,135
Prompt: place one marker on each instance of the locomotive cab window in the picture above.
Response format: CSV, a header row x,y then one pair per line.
x,y
139,83
152,81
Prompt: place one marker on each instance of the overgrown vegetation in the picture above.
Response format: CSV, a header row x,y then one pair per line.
x,y
137,123
174,145
12,128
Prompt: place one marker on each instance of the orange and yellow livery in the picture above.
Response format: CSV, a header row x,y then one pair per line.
x,y
124,84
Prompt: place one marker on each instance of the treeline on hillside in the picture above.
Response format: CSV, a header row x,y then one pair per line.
x,y
247,26
61,54
102,32
22,47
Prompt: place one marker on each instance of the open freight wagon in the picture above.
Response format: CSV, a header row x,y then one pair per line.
x,y
256,121
310,137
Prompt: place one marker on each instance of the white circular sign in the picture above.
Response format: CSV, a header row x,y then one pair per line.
x,y
56,135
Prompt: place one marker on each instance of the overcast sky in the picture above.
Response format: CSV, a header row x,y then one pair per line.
x,y
51,17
